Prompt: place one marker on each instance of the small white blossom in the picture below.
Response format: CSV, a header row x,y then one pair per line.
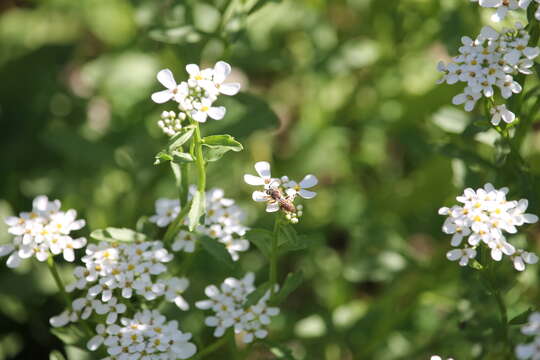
x,y
531,328
166,211
500,112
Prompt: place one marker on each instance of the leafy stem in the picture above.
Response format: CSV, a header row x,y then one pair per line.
x,y
274,255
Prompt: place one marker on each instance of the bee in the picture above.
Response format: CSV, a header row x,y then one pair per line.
x,y
284,202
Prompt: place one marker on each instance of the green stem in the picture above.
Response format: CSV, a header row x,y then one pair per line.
x,y
197,141
274,256
212,347
504,317
174,227
184,189
59,283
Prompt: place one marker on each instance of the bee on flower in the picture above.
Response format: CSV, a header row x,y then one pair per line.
x,y
280,193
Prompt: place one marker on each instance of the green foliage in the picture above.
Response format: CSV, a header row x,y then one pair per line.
x,y
215,146
217,250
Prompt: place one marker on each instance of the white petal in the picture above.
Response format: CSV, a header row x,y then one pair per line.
x,y
166,78
221,71
309,181
453,255
199,116
272,207
185,351
161,97
259,196
192,69
229,88
306,194
13,260
217,112
6,249
263,169
249,179
95,343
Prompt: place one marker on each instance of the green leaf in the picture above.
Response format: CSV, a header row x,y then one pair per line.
x,y
292,282
521,318
180,157
279,350
177,174
161,157
56,355
216,146
197,210
180,35
256,295
112,234
70,335
181,138
217,250
288,239
262,239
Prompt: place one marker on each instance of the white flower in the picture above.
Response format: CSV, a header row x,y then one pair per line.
x,y
468,97
184,241
437,357
173,290
204,109
300,188
500,112
221,72
174,91
483,218
265,177
166,211
463,255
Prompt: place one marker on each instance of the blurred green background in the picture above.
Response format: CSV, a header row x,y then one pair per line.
x,y
344,89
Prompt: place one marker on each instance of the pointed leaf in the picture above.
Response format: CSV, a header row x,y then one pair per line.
x,y
292,282
181,138
216,146
256,295
521,318
197,210
217,250
262,239
112,234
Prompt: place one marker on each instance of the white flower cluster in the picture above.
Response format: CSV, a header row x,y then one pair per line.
x,y
223,222
42,232
279,194
147,336
117,271
484,216
504,6
489,62
196,96
228,301
437,357
531,328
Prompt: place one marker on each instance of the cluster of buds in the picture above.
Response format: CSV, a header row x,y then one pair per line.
x,y
170,123
489,62
196,96
41,232
483,218
280,193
